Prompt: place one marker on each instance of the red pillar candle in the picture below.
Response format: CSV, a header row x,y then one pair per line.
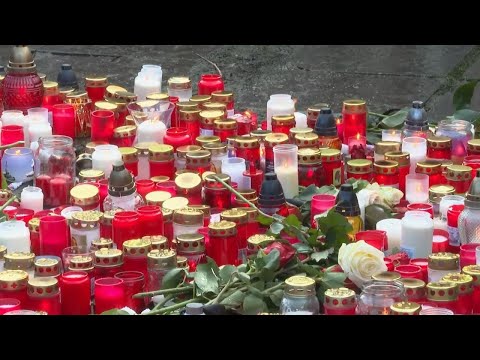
x,y
332,163
386,173
431,168
108,262
190,119
223,244
283,123
44,295
109,294
474,272
13,285
255,175
414,289
161,160
310,169
240,218
217,196
464,284
443,294
96,86
199,161
225,128
208,118
76,291
360,169
189,185
354,116
176,137
426,207
209,83
135,255
306,140
439,147
134,283
468,254
375,238
51,96
102,124
53,235
124,136
130,159
403,160
10,134
248,148
460,177
423,264
340,301
453,214
474,162
7,305
126,226
473,147
167,186
151,220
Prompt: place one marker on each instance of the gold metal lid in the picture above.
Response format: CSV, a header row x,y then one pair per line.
x,y
300,286
108,257
43,287
187,105
101,243
261,134
437,192
159,179
222,228
405,308
340,298
108,217
387,276
179,83
84,194
213,183
159,242
238,216
160,152
459,173
162,259
182,262
77,96
274,139
464,282
34,225
90,175
65,91
215,148
175,203
295,130
183,150
211,105
3,249
188,183
309,156
105,105
442,291
96,81
257,241
124,131
314,110
200,99
206,139
208,117
414,288
86,219
330,155
81,262
90,147
429,167
158,97
47,267
50,88
306,140
439,142
354,106
385,167
444,261
473,145
198,158
359,166
403,158
189,114
284,120
13,280
188,216
246,142
157,197
252,213
137,247
191,243
222,96
225,124
205,209
474,272
383,147
129,154
19,261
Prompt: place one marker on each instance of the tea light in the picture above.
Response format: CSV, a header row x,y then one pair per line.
x,y
17,165
32,198
416,188
417,148
393,228
357,146
103,158
392,135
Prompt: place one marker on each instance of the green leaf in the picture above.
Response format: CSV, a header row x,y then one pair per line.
x,y
214,266
395,120
292,220
267,274
234,300
272,260
467,115
226,272
320,255
260,285
255,291
276,228
242,268
115,312
358,184
205,279
253,305
333,279
302,248
310,270
374,137
462,96
245,278
263,220
173,278
276,297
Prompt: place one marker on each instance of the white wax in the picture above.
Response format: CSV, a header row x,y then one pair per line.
x,y
15,236
417,235
393,228
234,167
416,188
12,117
32,198
206,132
300,120
29,121
151,131
279,104
440,224
103,158
392,135
288,177
143,168
146,84
37,130
417,148
126,203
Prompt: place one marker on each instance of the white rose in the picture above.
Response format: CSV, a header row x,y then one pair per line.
x,y
360,261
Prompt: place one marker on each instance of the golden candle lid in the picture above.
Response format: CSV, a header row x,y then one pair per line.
x,y
385,167
105,105
191,243
159,179
157,197
473,145
459,172
223,96
128,121
414,288
129,154
284,120
160,152
252,213
137,247
90,147
19,260
96,81
386,276
238,216
314,110
208,117
112,90
124,131
47,267
13,280
175,203
257,241
330,155
403,158
206,139
50,88
446,164
474,272
187,183
295,130
108,257
43,287
213,183
429,167
188,216
247,142
187,105
198,157
211,105
306,140
439,142
359,166
179,83
90,175
183,150
200,99
182,262
225,124
442,291
3,249
205,209
86,219
143,147
101,243
76,96
162,259
464,282
34,225
84,194
108,216
405,308
355,106
340,298
444,261
383,147
261,134
189,114
437,192
81,262
299,286
215,148
274,139
158,97
222,228
309,156
158,242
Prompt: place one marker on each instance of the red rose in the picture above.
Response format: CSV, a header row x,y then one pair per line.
x,y
287,251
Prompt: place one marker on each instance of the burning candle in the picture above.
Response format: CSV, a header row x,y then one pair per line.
x,y
417,188
32,198
75,288
148,81
109,294
392,135
356,146
17,166
286,168
63,118
339,122
417,148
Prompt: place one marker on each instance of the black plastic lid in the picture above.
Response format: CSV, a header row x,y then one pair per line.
x,y
472,198
347,201
121,182
66,77
417,116
66,67
271,192
326,124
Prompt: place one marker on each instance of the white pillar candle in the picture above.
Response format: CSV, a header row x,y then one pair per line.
x,y
416,188
15,236
151,131
12,117
103,158
392,135
300,120
147,82
36,131
279,104
234,167
29,121
417,148
417,234
32,198
393,228
285,162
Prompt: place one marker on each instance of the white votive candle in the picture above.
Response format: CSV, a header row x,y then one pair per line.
x,y
279,104
300,120
416,188
392,135
12,117
393,228
15,236
235,167
151,131
417,234
103,158
417,148
32,198
285,162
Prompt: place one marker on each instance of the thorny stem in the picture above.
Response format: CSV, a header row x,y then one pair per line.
x,y
164,292
163,302
18,143
211,62
225,288
273,288
174,307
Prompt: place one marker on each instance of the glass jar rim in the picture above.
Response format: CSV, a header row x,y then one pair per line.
x,y
382,288
55,140
414,140
285,148
23,151
75,275
107,281
280,96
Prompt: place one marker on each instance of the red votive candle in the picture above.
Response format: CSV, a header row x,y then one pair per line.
x,y
144,187
24,215
332,163
354,117
174,116
223,244
125,226
283,123
189,185
161,160
109,294
256,177
357,146
95,87
433,169
63,120
44,295
13,285
151,220
103,191
361,169
467,254
108,262
11,134
319,204
209,83
440,241
386,173
102,122
444,294
453,213
53,235
474,272
134,283
168,186
7,305
225,128
190,119
340,301
240,218
474,162
426,207
403,160
423,264
464,284
76,291
439,147
248,148
176,137
375,238
216,195
410,271
59,190
415,290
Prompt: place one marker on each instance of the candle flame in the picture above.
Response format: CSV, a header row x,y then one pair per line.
x,y
18,152
358,136
386,311
247,114
394,132
339,121
418,188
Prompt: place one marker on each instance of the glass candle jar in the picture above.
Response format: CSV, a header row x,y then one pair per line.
x,y
310,169
130,159
63,120
464,284
313,112
104,157
474,162
33,226
224,97
219,152
190,120
11,134
109,294
143,161
207,139
217,196
223,244
439,147
108,262
90,176
101,243
102,124
83,108
240,218
299,297
255,177
296,130
189,185
453,214
460,177
161,160
157,197
207,120
151,220
15,236
135,255
9,305
432,169
414,289
332,163
134,282
468,254
436,193
474,272
306,140
17,166
225,129
44,295
377,297
159,263
403,159
417,148
13,285
361,169
125,226
340,301
248,148
55,169
386,173
124,136
279,104
354,117
473,147
76,289
192,246
252,223
272,140
409,271
85,228
209,83
86,196
180,87
283,123
441,264
53,235
444,294
417,234
383,147
255,242
186,221
416,188
286,168
199,161
177,137
460,132
95,87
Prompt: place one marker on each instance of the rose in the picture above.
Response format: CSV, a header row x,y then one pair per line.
x,y
287,251
360,261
